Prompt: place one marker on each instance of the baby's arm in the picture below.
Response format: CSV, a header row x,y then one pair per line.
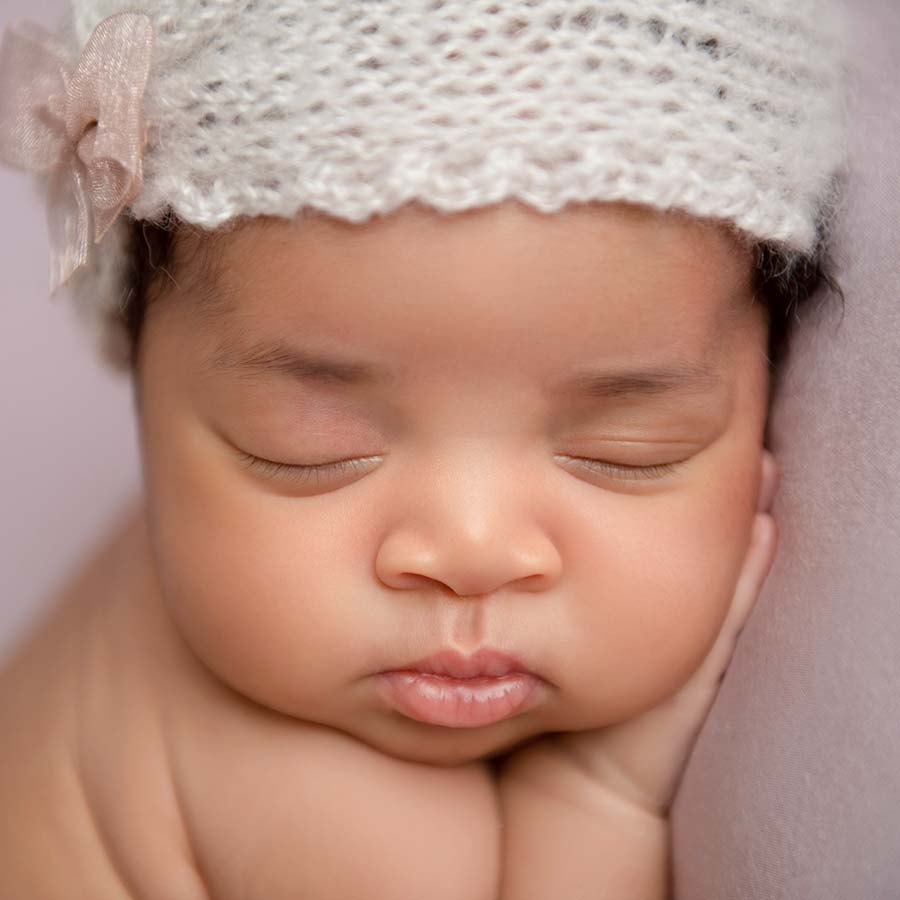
x,y
587,812
565,835
310,812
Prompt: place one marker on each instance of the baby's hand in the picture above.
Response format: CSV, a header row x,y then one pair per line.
x,y
642,759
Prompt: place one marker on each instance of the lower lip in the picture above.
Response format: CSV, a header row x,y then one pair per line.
x,y
459,702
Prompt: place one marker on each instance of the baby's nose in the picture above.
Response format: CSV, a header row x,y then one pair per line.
x,y
470,569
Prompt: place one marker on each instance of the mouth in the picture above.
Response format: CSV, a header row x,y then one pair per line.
x,y
461,691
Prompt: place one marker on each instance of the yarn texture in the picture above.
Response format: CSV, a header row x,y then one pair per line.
x,y
727,109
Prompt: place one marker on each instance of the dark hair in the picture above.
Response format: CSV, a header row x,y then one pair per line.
x,y
782,283
150,255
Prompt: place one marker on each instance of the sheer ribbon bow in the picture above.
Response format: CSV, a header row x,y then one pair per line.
x,y
82,124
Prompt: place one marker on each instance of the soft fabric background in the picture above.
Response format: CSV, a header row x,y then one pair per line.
x,y
793,790
68,446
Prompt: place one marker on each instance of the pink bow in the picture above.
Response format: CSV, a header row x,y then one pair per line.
x,y
84,124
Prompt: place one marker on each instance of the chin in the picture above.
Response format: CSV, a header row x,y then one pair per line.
x,y
437,745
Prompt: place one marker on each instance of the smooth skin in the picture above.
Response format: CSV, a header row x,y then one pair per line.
x,y
238,621
465,514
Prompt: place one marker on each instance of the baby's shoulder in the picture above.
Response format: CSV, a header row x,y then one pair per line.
x,y
66,787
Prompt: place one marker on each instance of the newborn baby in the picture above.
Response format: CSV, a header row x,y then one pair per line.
x,y
449,526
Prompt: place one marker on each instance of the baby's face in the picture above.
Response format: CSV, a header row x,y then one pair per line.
x,y
469,513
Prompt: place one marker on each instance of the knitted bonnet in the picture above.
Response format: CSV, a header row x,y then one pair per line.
x,y
218,109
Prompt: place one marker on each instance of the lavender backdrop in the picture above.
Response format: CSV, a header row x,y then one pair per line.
x,y
68,445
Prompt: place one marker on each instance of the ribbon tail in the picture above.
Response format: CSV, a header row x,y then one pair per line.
x,y
68,222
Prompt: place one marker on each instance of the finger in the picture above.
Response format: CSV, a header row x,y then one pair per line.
x,y
648,753
757,565
768,483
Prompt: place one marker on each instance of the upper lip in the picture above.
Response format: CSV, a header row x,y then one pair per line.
x,y
482,663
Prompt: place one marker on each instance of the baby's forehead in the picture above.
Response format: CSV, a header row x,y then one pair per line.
x,y
610,248
618,283
334,331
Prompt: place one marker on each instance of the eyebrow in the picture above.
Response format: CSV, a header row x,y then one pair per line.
x,y
684,377
278,359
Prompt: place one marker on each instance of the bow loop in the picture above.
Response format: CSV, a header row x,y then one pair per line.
x,y
82,124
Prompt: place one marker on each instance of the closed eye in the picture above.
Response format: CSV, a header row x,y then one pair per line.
x,y
305,473
624,472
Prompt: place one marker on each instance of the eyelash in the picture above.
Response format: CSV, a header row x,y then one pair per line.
x,y
304,473
627,473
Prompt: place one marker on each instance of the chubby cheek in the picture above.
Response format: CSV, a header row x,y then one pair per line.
x,y
252,590
654,599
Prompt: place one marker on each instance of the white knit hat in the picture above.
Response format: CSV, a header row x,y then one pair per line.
x,y
728,109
